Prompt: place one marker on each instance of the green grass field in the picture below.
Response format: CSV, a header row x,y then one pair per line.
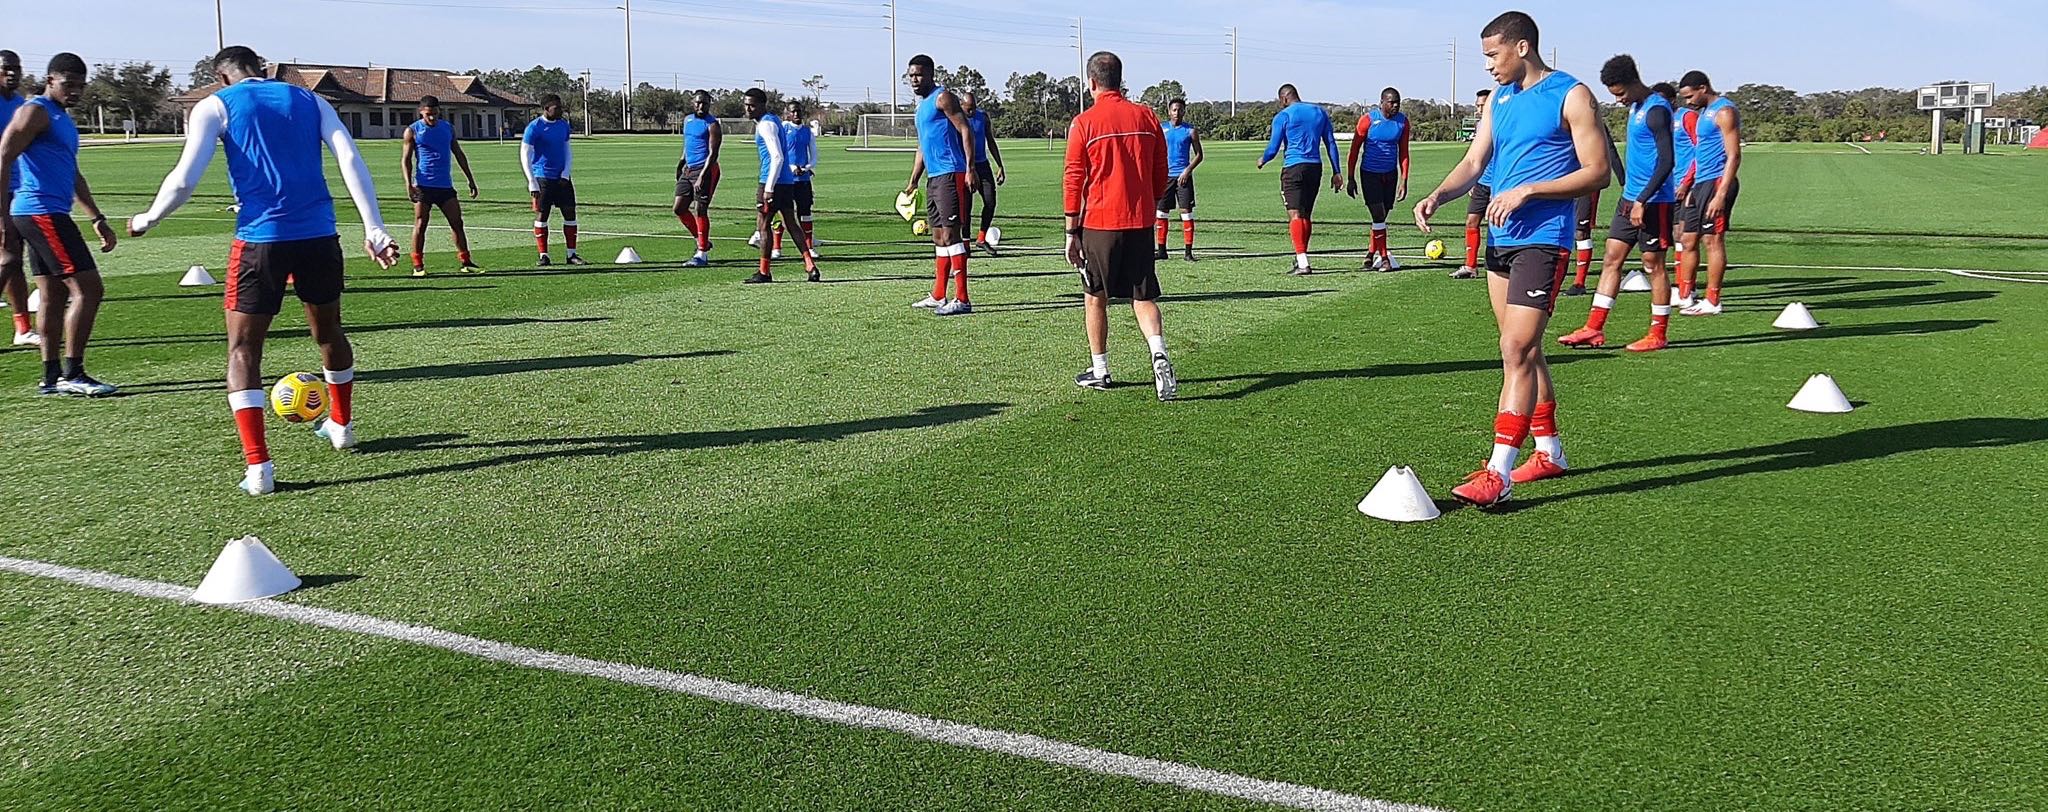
x,y
817,489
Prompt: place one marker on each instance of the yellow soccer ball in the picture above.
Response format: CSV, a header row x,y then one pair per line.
x,y
299,397
1435,249
919,227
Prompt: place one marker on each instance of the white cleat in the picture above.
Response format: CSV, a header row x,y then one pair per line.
x,y
1392,263
775,254
342,436
814,253
1703,308
28,339
261,480
754,241
1682,302
929,303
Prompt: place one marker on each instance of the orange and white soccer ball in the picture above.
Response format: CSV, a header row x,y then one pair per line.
x,y
299,397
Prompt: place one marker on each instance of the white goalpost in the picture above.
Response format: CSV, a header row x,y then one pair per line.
x,y
886,132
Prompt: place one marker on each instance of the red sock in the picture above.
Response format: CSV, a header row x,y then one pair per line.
x,y
1471,247
1713,295
778,236
703,232
1510,429
540,236
1660,324
1585,263
689,222
1187,232
1298,229
764,267
248,407
1162,231
569,234
1379,241
1544,422
416,257
811,233
945,264
341,397
1597,319
960,276
981,236
463,256
21,324
1684,288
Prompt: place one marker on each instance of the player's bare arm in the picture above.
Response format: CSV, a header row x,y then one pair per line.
x,y
82,193
1589,140
916,171
1194,155
995,154
29,121
462,160
409,161
717,138
950,105
1730,122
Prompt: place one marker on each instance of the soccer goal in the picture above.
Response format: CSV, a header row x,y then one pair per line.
x,y
886,132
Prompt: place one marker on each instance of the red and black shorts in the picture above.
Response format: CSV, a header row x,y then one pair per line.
x,y
985,181
1655,232
555,193
257,270
777,199
946,198
698,184
1379,190
1299,185
1180,194
1119,264
55,246
435,195
1586,210
1696,221
1534,273
1478,199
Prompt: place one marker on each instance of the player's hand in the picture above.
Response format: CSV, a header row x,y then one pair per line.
x,y
1336,184
412,193
106,232
1002,176
910,188
1425,209
1186,175
1073,250
536,199
1262,164
1350,188
382,248
1715,206
1635,214
472,190
1402,193
1504,204
135,226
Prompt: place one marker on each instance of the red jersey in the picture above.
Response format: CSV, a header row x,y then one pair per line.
x,y
1116,165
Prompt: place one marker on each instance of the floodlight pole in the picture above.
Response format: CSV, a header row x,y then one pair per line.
x,y
626,107
220,33
1081,52
586,102
895,67
1233,71
1454,87
1934,134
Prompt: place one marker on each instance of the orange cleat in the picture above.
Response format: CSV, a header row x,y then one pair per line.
x,y
1539,466
1586,337
1483,489
1650,343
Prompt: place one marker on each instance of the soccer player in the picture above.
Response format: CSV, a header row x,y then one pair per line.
x,y
13,282
1301,128
1682,146
1644,219
1717,155
1183,154
1543,141
271,132
429,143
945,144
777,196
1475,204
40,147
1383,136
544,155
986,178
697,175
803,162
1116,166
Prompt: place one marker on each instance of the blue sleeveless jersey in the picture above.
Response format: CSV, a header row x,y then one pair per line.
x,y
1531,144
48,169
782,142
1682,142
550,140
1642,152
937,139
434,147
272,143
1383,142
800,148
1710,153
697,139
1180,148
8,104
977,125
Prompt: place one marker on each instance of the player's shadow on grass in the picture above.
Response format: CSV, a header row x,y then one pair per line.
x,y
1862,444
1807,289
927,278
1877,330
472,369
1940,297
353,329
617,445
1267,381
352,291
1073,300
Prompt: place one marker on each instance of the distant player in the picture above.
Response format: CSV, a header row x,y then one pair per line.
x,y
1682,146
429,144
272,132
945,145
1644,219
1475,204
1304,130
544,155
1116,166
986,177
697,175
13,282
803,162
777,197
1545,145
1383,136
1717,155
40,148
1183,154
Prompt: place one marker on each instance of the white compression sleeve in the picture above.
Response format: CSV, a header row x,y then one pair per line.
x,y
354,174
209,120
526,165
772,137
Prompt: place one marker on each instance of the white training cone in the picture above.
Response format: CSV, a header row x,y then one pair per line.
x,y
995,236
1399,497
1820,394
1635,282
196,277
245,571
627,256
1795,317
35,300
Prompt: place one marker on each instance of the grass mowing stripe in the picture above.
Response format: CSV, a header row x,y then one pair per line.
x,y
1022,745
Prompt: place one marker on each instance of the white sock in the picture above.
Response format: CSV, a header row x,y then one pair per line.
x,y
543,255
1300,260
1603,301
1553,446
1660,310
572,252
1503,461
260,468
1099,362
1158,343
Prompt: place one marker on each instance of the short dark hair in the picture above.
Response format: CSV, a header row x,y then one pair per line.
x,y
1693,78
701,94
1388,91
1106,70
1485,92
795,104
240,56
924,61
1172,102
1288,90
430,100
758,96
1620,70
10,56
550,99
1512,26
1665,89
66,63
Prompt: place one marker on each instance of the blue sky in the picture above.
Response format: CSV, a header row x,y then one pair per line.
x,y
1335,50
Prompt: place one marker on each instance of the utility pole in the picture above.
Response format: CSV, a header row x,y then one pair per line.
x,y
1553,56
220,32
1081,52
895,67
626,107
622,103
586,102
1454,85
1233,71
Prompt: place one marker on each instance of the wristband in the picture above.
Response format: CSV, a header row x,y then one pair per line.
x,y
98,220
1073,232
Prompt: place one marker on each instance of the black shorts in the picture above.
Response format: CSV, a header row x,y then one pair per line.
x,y
985,181
1477,201
1534,273
781,197
55,246
804,197
1587,211
1379,190
1299,185
1655,232
1696,221
556,193
1179,195
686,186
10,241
256,273
1119,264
946,200
435,195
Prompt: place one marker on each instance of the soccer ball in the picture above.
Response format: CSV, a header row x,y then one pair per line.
x,y
299,397
1435,249
919,227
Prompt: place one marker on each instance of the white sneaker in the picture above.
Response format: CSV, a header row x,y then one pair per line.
x,y
28,339
814,253
1682,302
1392,263
1702,308
342,436
754,241
929,303
261,479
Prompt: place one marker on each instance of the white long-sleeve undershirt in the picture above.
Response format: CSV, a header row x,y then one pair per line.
x,y
771,138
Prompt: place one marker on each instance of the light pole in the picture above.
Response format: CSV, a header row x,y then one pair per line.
x,y
1233,71
895,67
626,114
220,32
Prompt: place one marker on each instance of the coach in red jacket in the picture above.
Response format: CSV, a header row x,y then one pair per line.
x,y
1116,171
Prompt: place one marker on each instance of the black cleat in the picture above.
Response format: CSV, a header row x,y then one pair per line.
x,y
759,279
544,262
1187,253
985,248
1088,379
1299,270
1576,290
1160,252
813,276
575,259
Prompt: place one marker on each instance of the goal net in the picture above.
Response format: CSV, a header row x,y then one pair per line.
x,y
886,132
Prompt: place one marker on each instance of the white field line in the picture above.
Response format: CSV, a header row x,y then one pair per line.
x,y
1858,147
1021,745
